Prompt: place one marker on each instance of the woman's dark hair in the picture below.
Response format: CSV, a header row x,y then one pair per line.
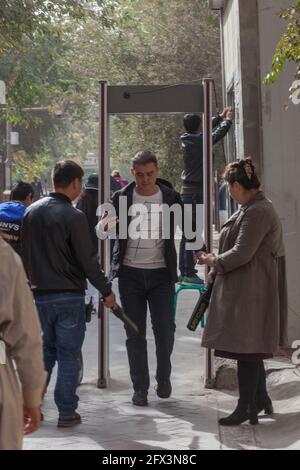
x,y
65,172
192,123
21,191
143,157
242,171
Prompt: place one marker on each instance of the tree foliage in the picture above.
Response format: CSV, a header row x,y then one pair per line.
x,y
27,167
35,36
30,17
155,42
288,48
59,64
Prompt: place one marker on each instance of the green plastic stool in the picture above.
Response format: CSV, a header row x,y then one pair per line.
x,y
179,287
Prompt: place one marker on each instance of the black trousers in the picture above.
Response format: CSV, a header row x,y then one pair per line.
x,y
138,289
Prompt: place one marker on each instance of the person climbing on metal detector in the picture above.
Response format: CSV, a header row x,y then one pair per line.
x,y
193,183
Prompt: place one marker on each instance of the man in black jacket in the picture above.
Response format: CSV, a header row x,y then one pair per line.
x,y
147,270
59,255
193,183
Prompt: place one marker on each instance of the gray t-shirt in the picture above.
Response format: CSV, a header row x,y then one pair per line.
x,y
145,246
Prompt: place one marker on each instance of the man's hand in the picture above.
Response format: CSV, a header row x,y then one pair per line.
x,y
32,419
107,222
230,114
110,301
224,112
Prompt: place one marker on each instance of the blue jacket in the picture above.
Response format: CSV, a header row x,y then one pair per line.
x,y
11,218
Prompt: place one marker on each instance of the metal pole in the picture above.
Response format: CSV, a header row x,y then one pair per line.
x,y
7,163
217,203
208,183
2,176
103,345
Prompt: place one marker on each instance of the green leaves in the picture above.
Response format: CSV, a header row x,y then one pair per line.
x,y
288,48
56,52
26,167
19,18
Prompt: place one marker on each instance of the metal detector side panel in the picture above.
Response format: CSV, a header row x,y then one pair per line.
x,y
155,99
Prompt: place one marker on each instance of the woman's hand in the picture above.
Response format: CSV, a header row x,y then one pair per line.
x,y
205,258
211,276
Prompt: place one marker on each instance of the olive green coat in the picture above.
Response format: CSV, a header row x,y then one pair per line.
x,y
248,306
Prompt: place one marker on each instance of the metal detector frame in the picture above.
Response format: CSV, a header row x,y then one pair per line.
x,y
172,99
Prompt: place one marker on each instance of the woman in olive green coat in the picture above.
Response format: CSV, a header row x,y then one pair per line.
x,y
247,318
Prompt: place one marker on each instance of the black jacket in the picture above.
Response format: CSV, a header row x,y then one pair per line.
x,y
57,249
192,148
170,197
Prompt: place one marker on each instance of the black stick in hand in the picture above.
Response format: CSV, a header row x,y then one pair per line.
x,y
119,313
200,308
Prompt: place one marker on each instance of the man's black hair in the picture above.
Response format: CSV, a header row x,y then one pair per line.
x,y
192,123
21,191
143,157
65,172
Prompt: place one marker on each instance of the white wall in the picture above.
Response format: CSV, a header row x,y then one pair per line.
x,y
280,130
232,67
231,41
281,150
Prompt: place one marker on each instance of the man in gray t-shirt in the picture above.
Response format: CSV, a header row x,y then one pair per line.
x,y
147,251
146,265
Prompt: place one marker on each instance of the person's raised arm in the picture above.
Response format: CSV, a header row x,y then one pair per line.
x,y
225,125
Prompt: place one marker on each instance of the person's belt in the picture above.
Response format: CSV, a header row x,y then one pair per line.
x,y
37,293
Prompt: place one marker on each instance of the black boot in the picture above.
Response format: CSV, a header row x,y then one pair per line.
x,y
242,413
263,401
265,406
246,409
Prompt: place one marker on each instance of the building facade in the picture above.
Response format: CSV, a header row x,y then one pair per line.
x,y
250,31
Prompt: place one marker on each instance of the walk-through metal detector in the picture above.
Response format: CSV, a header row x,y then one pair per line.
x,y
157,99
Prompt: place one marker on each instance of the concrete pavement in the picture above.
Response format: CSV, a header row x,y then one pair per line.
x,y
186,421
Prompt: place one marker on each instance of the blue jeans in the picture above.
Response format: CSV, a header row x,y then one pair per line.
x,y
139,287
186,257
62,318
